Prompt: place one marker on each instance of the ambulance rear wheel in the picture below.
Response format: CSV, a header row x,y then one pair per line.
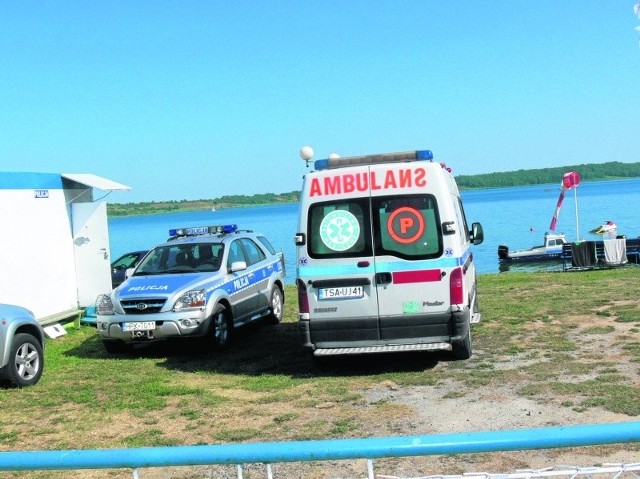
x,y
463,349
221,327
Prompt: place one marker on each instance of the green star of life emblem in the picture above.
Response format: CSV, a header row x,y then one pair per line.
x,y
339,230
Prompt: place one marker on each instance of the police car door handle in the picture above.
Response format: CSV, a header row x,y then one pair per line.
x,y
363,264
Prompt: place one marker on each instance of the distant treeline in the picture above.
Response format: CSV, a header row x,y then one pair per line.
x,y
227,201
590,172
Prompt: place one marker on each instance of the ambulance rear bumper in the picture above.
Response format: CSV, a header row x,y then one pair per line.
x,y
383,349
435,333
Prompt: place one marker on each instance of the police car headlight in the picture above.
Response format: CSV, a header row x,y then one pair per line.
x,y
104,305
190,300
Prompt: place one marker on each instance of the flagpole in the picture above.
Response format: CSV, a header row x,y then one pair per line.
x,y
575,195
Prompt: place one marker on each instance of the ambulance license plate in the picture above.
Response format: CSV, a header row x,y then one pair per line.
x,y
341,293
139,326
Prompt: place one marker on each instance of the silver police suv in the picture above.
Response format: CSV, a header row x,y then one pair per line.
x,y
202,282
21,346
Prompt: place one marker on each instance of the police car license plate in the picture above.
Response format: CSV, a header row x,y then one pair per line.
x,y
139,326
341,293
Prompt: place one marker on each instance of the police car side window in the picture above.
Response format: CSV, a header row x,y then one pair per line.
x,y
235,253
253,253
265,242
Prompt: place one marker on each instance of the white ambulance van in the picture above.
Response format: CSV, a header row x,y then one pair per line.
x,y
384,260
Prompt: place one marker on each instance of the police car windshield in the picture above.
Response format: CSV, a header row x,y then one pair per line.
x,y
182,258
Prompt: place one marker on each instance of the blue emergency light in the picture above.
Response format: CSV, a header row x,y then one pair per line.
x,y
203,230
330,163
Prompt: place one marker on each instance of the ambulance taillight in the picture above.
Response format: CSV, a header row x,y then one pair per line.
x,y
303,298
456,286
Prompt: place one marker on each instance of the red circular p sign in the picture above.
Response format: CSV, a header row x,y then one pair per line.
x,y
405,225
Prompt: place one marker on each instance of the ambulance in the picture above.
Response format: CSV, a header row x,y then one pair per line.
x,y
384,257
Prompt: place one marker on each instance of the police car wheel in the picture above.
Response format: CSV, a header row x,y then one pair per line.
x,y
26,360
277,305
220,327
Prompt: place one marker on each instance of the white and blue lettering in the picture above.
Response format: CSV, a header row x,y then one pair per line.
x,y
151,287
241,282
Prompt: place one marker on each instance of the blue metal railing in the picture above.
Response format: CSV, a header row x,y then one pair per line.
x,y
299,451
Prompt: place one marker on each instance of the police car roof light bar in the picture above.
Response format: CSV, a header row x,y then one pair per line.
x,y
330,163
203,230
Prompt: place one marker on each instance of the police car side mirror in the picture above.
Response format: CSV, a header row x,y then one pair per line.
x,y
477,234
237,266
128,273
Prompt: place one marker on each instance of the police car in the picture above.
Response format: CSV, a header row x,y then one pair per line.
x,y
202,282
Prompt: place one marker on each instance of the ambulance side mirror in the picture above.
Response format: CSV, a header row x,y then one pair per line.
x,y
477,234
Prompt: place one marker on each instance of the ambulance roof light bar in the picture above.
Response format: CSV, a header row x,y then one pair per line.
x,y
337,162
203,230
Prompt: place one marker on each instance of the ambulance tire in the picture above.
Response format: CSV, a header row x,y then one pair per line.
x,y
276,305
463,349
221,327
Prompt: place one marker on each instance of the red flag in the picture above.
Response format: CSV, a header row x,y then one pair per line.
x,y
569,180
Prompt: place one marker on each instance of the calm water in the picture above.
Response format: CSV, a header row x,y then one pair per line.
x,y
517,217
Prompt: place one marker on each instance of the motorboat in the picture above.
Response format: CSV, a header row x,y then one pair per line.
x,y
551,249
606,227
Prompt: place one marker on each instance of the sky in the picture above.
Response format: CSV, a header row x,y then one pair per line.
x,y
186,100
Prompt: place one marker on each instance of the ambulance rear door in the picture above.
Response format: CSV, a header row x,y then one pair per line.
x,y
411,260
339,268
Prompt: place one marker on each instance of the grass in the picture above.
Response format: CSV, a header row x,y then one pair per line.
x,y
570,339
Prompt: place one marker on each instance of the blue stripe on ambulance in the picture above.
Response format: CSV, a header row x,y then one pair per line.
x,y
345,270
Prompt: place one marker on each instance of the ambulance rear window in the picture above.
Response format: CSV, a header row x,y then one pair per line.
x,y
340,229
407,226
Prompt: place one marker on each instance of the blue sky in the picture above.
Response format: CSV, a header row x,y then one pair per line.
x,y
199,99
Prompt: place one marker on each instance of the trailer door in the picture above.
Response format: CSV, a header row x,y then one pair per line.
x,y
91,250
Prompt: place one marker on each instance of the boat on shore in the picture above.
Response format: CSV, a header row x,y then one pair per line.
x,y
551,249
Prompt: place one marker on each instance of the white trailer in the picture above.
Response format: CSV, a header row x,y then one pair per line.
x,y
54,242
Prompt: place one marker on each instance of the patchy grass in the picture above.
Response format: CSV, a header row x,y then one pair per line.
x,y
567,338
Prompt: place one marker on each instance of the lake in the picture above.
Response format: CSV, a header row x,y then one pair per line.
x,y
517,217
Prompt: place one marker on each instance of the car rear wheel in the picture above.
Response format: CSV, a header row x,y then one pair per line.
x,y
221,327
26,360
277,305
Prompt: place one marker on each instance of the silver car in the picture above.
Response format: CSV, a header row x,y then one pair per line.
x,y
21,346
202,282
